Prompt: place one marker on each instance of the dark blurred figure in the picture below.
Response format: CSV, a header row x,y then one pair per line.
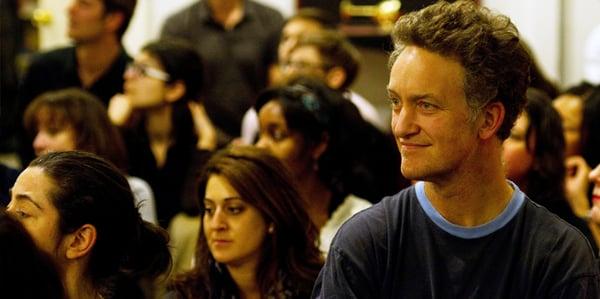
x,y
25,271
237,40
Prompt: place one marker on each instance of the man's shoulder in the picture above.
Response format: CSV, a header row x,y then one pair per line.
x,y
377,220
193,10
554,236
263,9
540,220
56,57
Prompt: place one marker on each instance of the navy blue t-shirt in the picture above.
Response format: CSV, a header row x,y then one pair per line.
x,y
403,248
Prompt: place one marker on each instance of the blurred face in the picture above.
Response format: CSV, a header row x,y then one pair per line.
x,y
144,85
570,108
595,179
430,115
52,137
30,203
304,61
517,158
235,230
291,33
285,144
86,20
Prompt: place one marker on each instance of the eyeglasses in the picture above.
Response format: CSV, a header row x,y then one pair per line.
x,y
302,65
147,71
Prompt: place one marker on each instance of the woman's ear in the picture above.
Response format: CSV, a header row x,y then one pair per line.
x,y
80,243
320,147
175,91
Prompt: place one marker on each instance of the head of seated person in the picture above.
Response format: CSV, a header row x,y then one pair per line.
x,y
534,152
325,55
25,271
307,20
159,83
80,210
254,225
73,119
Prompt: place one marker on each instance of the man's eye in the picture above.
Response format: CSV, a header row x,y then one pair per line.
x,y
426,106
394,102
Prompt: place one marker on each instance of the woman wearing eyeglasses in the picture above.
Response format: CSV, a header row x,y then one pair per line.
x,y
167,132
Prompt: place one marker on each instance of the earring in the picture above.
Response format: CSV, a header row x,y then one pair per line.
x,y
271,228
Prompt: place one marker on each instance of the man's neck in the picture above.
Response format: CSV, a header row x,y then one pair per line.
x,y
228,13
94,58
473,195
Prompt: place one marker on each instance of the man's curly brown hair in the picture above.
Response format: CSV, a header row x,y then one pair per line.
x,y
485,44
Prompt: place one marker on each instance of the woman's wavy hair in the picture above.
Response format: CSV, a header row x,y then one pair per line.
x,y
545,180
85,113
487,46
590,128
90,190
290,257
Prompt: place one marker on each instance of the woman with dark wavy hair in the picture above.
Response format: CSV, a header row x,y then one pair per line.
x,y
80,210
340,162
534,156
256,239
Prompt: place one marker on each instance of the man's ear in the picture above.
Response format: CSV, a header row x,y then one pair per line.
x,y
493,117
336,77
175,91
80,243
114,20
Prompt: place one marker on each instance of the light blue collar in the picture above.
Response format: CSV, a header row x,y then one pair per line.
x,y
517,200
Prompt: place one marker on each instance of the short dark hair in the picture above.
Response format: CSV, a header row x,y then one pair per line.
x,y
181,61
263,182
486,45
80,109
126,7
324,18
90,190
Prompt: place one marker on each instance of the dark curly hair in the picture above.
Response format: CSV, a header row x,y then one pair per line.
x,y
486,45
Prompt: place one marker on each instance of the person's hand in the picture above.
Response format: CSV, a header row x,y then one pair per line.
x,y
576,185
119,109
207,134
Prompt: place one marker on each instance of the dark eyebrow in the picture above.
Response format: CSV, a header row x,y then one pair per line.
x,y
391,93
225,199
25,197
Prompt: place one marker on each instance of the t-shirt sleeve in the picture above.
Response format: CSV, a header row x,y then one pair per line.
x,y
355,259
585,287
